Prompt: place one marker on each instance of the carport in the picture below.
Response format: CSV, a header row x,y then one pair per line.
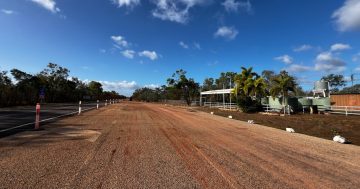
x,y
218,104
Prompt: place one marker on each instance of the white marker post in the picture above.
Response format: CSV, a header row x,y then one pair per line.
x,y
97,104
37,118
79,107
105,102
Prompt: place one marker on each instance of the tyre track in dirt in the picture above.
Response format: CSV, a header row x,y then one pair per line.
x,y
155,146
272,155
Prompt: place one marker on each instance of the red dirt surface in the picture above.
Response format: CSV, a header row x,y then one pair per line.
x,y
137,145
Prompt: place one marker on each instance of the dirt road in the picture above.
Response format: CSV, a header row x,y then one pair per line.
x,y
134,145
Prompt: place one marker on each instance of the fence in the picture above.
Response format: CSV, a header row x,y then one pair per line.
x,y
278,109
345,100
347,110
228,106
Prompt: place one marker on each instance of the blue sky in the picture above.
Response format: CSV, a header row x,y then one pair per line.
x,y
127,44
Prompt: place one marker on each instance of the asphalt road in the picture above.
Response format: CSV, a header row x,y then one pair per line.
x,y
136,145
20,118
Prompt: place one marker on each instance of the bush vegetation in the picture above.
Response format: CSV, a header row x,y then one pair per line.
x,y
53,82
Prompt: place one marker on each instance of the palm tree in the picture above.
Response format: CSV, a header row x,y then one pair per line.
x,y
259,86
282,84
243,81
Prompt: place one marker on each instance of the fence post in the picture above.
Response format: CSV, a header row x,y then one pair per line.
x,y
346,110
97,104
79,107
288,109
37,117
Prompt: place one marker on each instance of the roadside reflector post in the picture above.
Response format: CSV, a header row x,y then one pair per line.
x,y
105,102
37,118
79,107
110,101
97,104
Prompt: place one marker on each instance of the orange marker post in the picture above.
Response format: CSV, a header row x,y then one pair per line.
x,y
37,118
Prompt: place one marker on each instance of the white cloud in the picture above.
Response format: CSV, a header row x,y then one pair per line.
x,y
285,59
229,33
298,68
123,87
303,48
50,5
111,85
214,63
120,41
183,45
8,12
128,54
197,46
152,86
356,57
357,69
347,17
339,47
174,10
149,54
234,6
326,62
126,3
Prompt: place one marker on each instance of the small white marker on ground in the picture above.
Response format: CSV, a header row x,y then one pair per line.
x,y
290,130
339,139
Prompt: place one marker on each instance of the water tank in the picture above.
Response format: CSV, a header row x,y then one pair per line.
x,y
321,85
322,103
265,100
304,102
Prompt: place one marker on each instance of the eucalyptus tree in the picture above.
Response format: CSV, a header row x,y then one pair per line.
x,y
188,88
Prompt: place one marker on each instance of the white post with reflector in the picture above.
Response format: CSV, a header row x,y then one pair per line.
x,y
97,104
105,102
37,118
79,107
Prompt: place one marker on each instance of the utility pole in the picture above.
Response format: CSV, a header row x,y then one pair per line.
x,y
223,96
230,92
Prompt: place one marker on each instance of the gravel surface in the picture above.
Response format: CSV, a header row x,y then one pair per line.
x,y
136,145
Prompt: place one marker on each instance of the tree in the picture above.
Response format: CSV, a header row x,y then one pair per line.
x,y
209,84
355,89
282,84
5,88
27,87
224,80
335,81
268,76
95,89
188,88
249,86
245,81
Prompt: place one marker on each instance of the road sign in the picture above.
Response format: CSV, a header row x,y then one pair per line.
x,y
42,93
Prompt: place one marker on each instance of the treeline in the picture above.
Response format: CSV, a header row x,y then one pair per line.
x,y
178,87
51,85
249,87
